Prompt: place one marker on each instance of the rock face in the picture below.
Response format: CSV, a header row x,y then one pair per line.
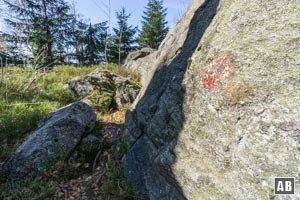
x,y
141,61
220,116
80,87
104,89
54,139
134,56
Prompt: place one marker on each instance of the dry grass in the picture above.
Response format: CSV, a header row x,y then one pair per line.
x,y
122,71
236,89
117,117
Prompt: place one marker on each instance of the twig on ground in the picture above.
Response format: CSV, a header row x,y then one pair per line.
x,y
6,85
11,105
100,177
2,70
96,159
120,189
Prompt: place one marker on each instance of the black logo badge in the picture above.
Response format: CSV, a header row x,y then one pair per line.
x,y
284,185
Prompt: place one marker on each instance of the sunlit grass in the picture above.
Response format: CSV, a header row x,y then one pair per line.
x,y
26,97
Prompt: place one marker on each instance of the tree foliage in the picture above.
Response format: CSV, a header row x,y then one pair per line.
x,y
90,42
154,25
50,32
123,38
39,27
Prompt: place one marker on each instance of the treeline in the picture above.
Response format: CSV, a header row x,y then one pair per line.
x,y
50,32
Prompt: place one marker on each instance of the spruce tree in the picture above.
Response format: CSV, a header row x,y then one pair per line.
x,y
90,42
154,25
79,40
40,25
123,38
95,42
101,35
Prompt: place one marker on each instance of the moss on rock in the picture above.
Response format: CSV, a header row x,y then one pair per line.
x,y
109,91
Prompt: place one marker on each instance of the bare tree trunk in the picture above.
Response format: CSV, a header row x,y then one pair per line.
x,y
48,33
2,72
120,42
106,49
6,89
108,35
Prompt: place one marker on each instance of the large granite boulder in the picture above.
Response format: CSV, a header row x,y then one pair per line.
x,y
220,116
54,139
104,90
135,55
141,62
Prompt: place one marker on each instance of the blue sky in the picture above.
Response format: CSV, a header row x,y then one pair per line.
x,y
96,10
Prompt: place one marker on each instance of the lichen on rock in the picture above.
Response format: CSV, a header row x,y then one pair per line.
x,y
54,139
104,90
227,126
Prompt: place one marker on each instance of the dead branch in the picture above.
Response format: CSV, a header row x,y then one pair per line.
x,y
96,159
17,104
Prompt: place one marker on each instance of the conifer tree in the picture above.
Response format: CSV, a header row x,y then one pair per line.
x,y
95,42
154,25
79,40
123,39
40,25
89,41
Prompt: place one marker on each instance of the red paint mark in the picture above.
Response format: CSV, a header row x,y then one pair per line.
x,y
218,68
208,79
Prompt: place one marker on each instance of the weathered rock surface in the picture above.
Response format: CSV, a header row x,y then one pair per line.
x,y
104,90
141,62
80,87
53,140
219,118
133,56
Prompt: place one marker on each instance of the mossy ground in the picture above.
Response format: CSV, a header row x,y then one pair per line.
x,y
26,97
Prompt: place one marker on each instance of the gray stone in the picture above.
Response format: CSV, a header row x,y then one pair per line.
x,y
152,128
121,98
219,116
80,87
133,56
53,140
104,90
141,62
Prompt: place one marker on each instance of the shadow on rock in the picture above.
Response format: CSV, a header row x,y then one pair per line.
x,y
152,129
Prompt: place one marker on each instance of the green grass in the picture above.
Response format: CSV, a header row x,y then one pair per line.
x,y
18,120
115,186
27,189
26,96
